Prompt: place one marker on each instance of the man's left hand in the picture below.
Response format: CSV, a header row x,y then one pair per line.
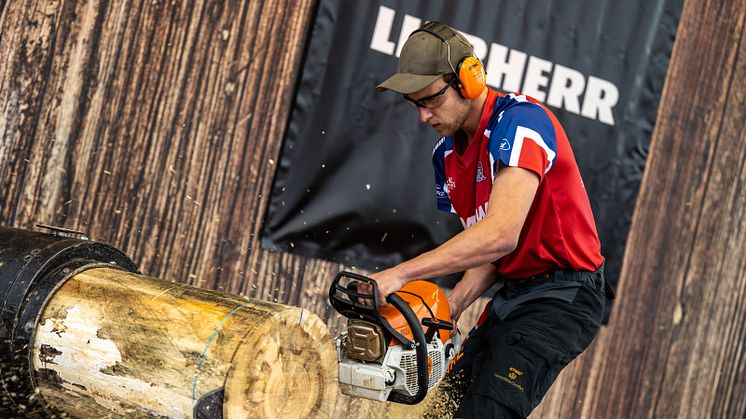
x,y
389,281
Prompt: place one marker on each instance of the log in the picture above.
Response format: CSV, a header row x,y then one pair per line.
x,y
114,343
84,334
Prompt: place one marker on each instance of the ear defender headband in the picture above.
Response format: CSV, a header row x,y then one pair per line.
x,y
469,71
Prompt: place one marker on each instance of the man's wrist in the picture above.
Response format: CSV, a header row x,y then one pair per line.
x,y
402,272
456,298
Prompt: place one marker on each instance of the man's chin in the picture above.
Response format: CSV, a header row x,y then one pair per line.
x,y
443,131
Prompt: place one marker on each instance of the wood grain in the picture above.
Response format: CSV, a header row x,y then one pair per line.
x,y
686,265
114,344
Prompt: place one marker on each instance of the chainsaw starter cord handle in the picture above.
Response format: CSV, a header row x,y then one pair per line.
x,y
420,349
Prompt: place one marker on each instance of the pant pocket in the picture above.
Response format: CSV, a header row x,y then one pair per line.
x,y
563,291
549,360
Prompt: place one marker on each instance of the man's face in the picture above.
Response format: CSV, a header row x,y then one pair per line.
x,y
445,112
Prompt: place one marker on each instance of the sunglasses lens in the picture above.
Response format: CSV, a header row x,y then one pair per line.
x,y
429,102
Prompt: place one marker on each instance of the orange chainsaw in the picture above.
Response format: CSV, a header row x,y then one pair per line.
x,y
396,352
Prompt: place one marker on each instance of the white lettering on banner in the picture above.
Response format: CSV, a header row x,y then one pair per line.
x,y
567,86
559,86
501,64
600,97
384,23
535,78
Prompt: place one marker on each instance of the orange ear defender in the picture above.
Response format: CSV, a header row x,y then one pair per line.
x,y
471,77
469,71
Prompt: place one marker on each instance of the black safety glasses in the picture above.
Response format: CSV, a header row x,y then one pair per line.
x,y
431,101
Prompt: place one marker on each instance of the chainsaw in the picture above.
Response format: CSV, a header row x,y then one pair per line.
x,y
396,352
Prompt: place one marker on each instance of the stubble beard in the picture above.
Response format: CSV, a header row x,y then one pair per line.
x,y
459,117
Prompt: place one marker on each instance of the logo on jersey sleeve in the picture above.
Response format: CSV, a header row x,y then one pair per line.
x,y
439,192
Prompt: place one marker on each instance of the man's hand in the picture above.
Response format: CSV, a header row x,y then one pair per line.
x,y
473,284
389,281
456,311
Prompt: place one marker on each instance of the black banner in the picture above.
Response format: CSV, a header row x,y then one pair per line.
x,y
355,181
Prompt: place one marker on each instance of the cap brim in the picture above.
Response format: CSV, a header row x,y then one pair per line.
x,y
407,83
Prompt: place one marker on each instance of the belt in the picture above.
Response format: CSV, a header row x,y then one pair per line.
x,y
550,275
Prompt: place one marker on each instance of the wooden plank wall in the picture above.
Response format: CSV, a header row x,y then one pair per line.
x,y
674,347
155,126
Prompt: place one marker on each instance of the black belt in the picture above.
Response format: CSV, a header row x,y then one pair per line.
x,y
551,275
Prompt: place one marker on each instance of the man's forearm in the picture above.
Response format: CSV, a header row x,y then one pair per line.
x,y
473,284
474,247
489,239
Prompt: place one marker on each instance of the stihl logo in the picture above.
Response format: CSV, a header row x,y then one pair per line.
x,y
513,374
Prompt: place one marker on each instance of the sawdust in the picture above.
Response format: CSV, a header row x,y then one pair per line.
x,y
437,404
441,402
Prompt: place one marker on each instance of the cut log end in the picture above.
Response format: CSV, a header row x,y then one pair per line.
x,y
286,368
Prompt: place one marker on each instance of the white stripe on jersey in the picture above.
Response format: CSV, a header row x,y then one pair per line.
x,y
523,132
493,169
518,98
441,141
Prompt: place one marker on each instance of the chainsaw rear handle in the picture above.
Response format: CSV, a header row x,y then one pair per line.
x,y
352,308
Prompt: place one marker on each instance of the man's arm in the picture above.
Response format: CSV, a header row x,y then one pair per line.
x,y
473,284
489,239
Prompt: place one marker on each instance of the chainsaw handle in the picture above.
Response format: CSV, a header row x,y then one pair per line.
x,y
434,325
423,377
346,300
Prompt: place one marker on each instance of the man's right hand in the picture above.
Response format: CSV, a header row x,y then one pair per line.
x,y
473,284
456,312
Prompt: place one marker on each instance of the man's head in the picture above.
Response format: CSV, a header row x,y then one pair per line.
x,y
438,72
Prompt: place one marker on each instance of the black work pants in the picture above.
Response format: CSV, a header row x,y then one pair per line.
x,y
533,329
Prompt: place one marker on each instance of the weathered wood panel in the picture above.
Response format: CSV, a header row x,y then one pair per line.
x,y
681,353
674,345
155,126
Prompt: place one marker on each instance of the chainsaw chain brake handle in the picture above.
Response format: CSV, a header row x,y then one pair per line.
x,y
433,325
346,300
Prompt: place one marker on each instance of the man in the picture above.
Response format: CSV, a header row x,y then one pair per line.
x,y
505,167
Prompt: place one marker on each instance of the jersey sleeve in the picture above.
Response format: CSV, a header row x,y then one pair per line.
x,y
522,136
441,190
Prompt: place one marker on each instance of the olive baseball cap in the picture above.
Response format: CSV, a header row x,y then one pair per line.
x,y
424,58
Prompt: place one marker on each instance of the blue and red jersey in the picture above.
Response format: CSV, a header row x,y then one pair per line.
x,y
518,131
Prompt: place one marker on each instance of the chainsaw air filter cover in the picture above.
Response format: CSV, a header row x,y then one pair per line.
x,y
365,340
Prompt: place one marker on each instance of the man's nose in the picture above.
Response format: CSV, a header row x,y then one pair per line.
x,y
425,114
